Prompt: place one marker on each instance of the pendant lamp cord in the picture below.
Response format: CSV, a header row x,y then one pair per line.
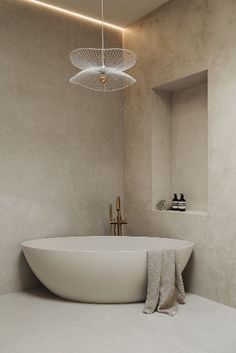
x,y
102,35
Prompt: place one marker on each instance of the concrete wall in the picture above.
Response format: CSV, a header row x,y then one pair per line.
x,y
179,39
60,145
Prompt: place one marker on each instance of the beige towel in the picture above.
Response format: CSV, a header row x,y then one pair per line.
x,y
165,287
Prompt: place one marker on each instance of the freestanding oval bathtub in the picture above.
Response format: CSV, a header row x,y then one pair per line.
x,y
98,269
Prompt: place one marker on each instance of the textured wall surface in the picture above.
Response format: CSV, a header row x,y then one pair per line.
x,y
177,40
60,145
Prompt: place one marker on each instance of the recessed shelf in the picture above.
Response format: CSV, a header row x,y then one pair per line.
x,y
180,142
187,212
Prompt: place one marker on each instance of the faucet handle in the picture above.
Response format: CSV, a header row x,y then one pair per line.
x,y
110,212
118,203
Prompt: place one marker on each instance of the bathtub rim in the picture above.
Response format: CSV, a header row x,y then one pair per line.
x,y
27,244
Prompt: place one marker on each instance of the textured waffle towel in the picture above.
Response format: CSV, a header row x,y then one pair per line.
x,y
165,287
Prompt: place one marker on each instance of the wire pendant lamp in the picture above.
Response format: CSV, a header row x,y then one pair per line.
x,y
103,69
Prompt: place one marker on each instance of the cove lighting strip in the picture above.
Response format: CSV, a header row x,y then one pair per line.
x,y
75,14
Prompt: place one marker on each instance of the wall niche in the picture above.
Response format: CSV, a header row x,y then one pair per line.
x,y
180,141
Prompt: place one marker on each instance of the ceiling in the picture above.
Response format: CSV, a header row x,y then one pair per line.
x,y
118,12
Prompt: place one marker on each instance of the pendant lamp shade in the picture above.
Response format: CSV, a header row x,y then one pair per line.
x,y
103,69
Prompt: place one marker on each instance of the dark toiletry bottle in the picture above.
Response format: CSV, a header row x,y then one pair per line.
x,y
175,203
182,203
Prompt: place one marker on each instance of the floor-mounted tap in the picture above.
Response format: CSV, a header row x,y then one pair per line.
x,y
117,222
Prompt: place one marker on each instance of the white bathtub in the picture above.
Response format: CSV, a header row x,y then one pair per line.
x,y
98,269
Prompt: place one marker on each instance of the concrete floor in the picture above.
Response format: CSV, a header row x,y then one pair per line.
x,y
38,322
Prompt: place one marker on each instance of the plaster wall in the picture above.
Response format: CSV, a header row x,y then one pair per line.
x,y
60,145
177,40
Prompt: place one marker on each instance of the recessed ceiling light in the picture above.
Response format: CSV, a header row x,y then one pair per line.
x,y
75,14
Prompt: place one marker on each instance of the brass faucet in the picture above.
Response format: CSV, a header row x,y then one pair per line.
x,y
117,222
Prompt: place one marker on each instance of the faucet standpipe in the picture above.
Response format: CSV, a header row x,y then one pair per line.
x,y
117,223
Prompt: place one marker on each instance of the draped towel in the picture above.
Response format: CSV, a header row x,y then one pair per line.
x,y
165,288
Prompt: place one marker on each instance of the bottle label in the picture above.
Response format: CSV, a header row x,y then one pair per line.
x,y
175,205
182,205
